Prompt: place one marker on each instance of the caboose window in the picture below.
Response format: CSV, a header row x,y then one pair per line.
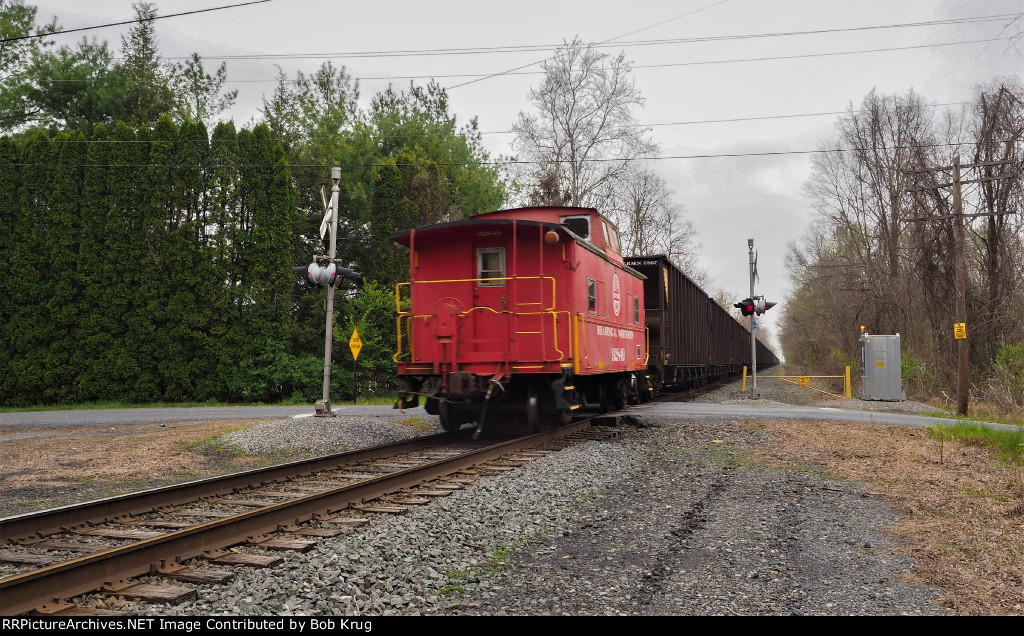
x,y
591,296
636,309
613,235
579,225
490,264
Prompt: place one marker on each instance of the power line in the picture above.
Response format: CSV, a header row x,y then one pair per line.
x,y
526,48
111,24
683,15
641,66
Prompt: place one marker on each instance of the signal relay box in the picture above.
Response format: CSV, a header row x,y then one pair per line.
x,y
880,360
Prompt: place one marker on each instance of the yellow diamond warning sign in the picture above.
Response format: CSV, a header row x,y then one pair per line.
x,y
355,344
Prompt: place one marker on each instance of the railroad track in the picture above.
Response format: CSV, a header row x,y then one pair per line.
x,y
192,533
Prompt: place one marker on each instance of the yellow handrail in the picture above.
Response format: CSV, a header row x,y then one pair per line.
x,y
409,284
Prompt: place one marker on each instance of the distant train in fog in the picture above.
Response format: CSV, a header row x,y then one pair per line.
x,y
533,311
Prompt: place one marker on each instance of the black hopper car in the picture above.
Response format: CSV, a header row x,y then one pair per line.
x,y
692,339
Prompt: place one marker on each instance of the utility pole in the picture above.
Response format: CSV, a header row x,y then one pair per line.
x,y
323,406
960,327
753,321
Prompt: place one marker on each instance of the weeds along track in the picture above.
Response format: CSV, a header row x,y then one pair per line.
x,y
186,532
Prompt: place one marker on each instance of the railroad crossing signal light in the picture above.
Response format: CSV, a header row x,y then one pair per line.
x,y
746,306
349,273
329,275
763,306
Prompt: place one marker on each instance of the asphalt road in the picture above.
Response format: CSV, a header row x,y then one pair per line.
x,y
772,412
126,417
122,417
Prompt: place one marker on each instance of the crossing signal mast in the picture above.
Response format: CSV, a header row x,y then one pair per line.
x,y
753,306
325,271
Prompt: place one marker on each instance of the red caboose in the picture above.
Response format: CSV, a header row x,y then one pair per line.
x,y
527,310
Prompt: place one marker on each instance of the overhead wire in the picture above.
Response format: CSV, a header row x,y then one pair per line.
x,y
633,67
518,68
113,24
525,48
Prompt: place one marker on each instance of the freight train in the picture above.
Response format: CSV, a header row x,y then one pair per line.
x,y
534,311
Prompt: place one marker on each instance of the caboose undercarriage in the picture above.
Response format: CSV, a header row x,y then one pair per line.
x,y
540,401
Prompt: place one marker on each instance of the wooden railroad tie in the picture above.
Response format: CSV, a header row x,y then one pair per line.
x,y
25,558
247,560
408,501
282,543
283,494
167,594
247,503
349,522
325,533
63,608
201,576
84,548
157,523
112,533
383,509
213,514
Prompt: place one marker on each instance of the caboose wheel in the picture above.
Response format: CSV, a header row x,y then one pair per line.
x,y
540,414
450,416
534,415
612,396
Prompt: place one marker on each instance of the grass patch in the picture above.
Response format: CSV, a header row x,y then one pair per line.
x,y
215,447
981,413
722,456
1008,444
585,498
418,423
496,561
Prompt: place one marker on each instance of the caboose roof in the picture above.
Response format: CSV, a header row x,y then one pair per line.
x,y
496,218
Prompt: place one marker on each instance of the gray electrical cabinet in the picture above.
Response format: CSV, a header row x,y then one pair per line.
x,y
880,360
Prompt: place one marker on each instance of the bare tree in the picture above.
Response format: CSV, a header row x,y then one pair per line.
x,y
651,221
874,256
583,130
860,197
997,128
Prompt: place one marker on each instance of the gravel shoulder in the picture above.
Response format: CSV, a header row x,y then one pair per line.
x,y
678,516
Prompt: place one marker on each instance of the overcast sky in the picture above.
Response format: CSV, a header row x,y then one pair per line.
x,y
685,84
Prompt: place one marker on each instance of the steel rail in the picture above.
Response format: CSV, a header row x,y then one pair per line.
x,y
25,592
50,521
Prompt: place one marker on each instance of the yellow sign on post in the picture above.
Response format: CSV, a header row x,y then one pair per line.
x,y
960,330
355,344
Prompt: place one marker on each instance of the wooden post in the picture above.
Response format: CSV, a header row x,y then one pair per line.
x,y
963,364
963,360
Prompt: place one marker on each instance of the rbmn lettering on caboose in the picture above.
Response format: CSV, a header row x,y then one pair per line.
x,y
529,311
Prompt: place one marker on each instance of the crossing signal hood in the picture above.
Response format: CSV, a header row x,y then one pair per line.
x,y
746,306
763,306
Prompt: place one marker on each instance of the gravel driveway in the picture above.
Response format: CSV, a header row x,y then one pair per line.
x,y
696,528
